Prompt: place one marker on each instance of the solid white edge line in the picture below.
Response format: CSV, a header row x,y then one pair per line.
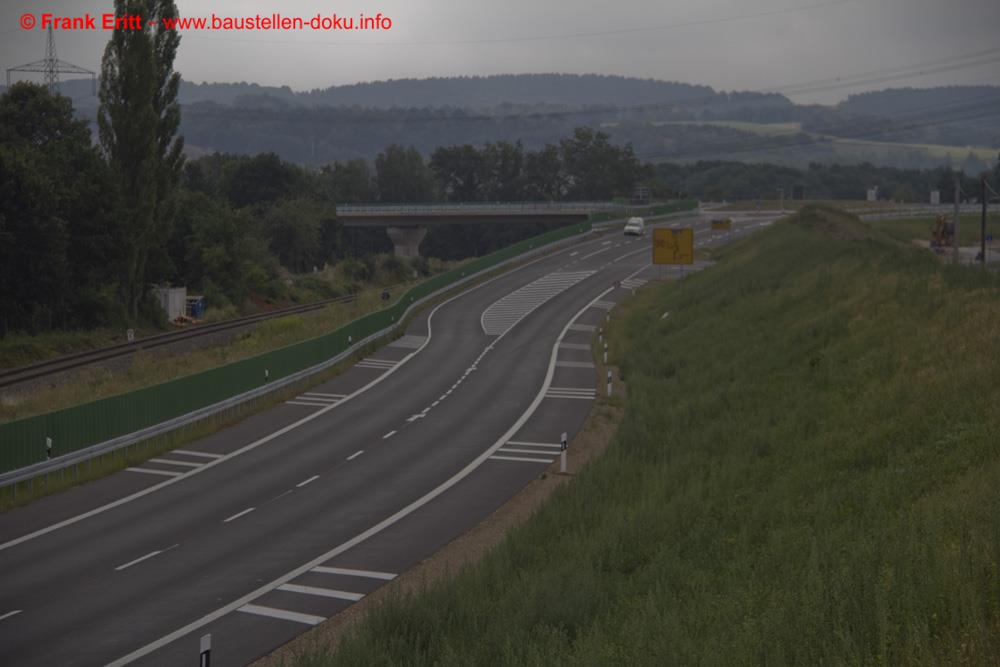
x,y
322,592
374,530
11,613
271,612
239,514
307,481
348,572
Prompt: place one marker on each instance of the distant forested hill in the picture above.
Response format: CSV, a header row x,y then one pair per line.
x,y
954,115
553,91
360,120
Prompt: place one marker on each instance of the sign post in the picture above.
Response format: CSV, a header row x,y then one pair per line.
x,y
562,453
609,384
206,651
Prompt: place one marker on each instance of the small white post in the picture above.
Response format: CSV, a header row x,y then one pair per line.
x,y
607,318
48,447
562,453
350,339
267,375
206,651
600,335
605,354
609,384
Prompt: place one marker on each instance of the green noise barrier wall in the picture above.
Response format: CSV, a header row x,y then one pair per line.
x,y
22,442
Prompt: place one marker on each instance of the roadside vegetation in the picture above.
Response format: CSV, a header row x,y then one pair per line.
x,y
806,474
145,369
969,228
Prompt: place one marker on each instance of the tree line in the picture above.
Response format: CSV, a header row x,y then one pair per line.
x,y
719,180
86,229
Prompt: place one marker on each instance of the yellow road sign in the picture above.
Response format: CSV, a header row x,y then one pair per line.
x,y
722,225
673,246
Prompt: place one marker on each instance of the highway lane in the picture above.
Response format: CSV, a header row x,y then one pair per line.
x,y
94,590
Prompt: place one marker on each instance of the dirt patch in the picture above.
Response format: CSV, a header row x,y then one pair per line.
x,y
592,440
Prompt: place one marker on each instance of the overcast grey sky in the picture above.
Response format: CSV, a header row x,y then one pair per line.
x,y
727,44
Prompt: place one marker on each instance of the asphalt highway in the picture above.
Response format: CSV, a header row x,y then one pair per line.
x,y
260,531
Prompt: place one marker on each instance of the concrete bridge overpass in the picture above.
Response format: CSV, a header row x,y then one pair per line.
x,y
406,224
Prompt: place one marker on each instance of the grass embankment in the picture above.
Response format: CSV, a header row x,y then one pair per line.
x,y
807,473
144,369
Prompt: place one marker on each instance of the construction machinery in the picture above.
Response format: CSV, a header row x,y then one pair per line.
x,y
943,233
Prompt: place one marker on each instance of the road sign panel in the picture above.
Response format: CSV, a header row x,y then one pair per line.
x,y
673,246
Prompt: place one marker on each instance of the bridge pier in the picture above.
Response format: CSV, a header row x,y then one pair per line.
x,y
406,240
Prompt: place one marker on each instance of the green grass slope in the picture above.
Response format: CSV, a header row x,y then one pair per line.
x,y
807,473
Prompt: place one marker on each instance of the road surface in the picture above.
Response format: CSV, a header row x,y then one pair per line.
x,y
260,531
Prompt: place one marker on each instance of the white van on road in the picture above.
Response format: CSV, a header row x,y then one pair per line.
x,y
635,227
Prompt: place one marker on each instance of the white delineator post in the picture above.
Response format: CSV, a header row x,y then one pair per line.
x,y
605,354
206,651
48,448
609,384
562,453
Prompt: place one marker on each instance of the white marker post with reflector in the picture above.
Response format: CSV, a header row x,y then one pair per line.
x,y
609,384
562,453
206,651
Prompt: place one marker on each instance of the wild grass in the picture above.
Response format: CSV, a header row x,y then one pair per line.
x,y
969,228
807,473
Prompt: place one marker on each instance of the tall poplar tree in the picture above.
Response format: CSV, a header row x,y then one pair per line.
x,y
138,121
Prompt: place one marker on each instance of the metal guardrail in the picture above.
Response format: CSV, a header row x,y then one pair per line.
x,y
82,455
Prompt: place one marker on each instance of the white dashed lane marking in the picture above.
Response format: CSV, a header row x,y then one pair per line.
x,y
324,592
346,571
150,471
271,612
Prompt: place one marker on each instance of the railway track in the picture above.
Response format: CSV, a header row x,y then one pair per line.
x,y
13,376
